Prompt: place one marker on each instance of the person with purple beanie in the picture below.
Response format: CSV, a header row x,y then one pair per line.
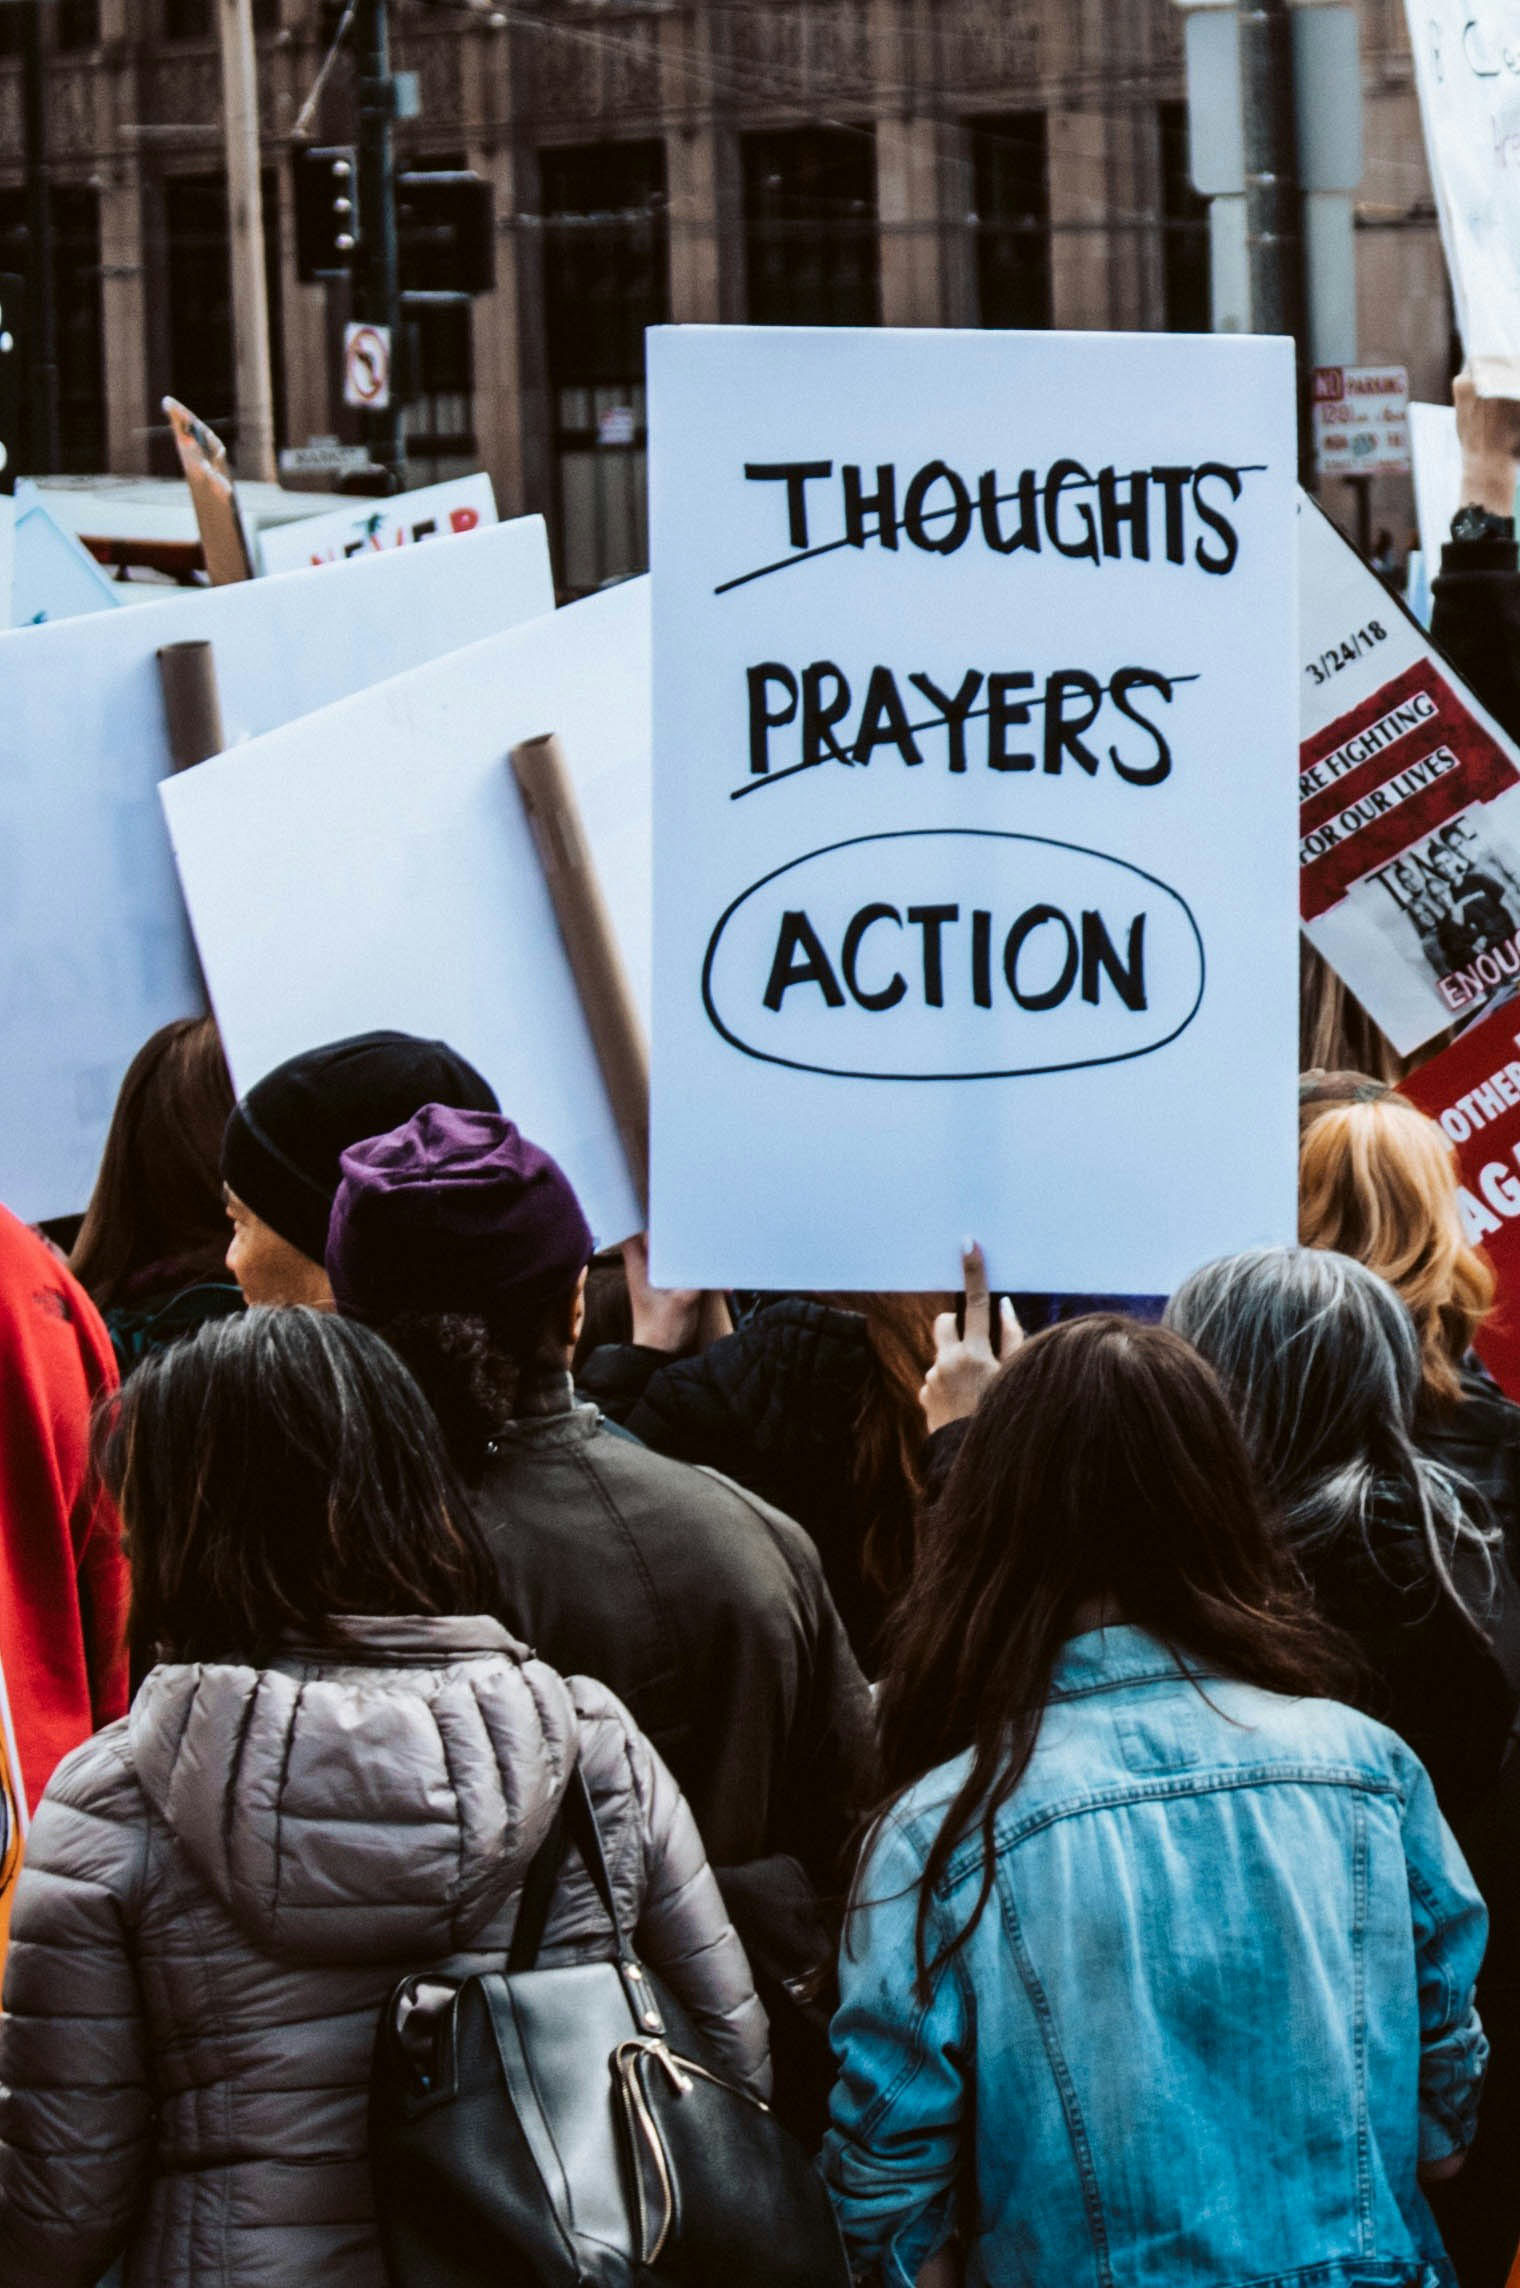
x,y
703,1608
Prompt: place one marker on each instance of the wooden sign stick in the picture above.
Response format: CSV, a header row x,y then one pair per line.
x,y
192,702
596,963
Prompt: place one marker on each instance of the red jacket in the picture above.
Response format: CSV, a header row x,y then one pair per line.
x,y
63,1578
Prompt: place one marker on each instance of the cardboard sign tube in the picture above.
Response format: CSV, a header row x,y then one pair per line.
x,y
192,702
617,1036
203,458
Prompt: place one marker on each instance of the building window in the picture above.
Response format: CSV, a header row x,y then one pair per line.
x,y
196,19
81,332
437,368
1187,292
201,367
77,24
605,280
810,239
1011,186
199,299
77,317
439,418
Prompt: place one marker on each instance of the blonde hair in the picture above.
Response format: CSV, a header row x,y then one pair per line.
x,y
1379,1182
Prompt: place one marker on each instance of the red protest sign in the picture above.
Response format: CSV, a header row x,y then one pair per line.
x,y
1473,1090
1388,771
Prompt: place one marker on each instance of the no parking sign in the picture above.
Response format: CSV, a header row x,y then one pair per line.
x,y
367,367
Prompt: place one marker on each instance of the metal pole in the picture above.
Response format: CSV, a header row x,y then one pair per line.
x,y
42,320
1274,204
377,298
250,279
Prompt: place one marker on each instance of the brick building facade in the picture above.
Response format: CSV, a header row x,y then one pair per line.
x,y
910,162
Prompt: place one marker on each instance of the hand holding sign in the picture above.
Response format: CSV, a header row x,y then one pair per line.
x,y
664,1318
1488,431
965,1361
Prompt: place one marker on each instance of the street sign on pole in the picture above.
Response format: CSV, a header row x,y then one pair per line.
x,y
367,367
1361,421
377,286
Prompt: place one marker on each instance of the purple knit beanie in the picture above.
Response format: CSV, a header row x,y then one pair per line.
x,y
455,1212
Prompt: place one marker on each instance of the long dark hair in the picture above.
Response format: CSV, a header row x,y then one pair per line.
x,y
1102,1470
888,1443
280,1469
156,1211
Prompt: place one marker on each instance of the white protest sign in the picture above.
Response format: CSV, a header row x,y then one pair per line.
x,y
54,576
1467,72
974,713
95,950
462,505
7,555
1409,855
1436,458
398,883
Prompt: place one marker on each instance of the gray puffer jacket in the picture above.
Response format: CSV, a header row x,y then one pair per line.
x,y
220,1892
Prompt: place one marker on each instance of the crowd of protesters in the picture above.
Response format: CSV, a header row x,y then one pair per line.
x,y
1058,1752
1134,1929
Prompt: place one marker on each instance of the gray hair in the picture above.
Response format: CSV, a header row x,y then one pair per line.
x,y
1321,1361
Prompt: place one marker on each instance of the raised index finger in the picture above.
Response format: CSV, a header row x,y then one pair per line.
x,y
978,1301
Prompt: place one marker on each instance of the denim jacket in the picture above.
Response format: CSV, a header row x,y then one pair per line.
x,y
1217,2011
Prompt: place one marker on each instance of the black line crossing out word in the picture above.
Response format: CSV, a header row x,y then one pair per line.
x,y
818,703
1176,514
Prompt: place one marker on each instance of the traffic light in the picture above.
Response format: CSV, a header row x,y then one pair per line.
x,y
12,304
446,231
327,211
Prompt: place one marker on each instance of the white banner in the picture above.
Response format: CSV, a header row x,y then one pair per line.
x,y
974,724
1467,72
398,883
430,513
95,952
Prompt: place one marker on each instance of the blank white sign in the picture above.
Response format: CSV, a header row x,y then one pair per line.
x,y
398,883
95,948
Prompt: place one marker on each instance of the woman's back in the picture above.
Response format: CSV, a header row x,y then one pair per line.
x,y
222,1890
1217,2011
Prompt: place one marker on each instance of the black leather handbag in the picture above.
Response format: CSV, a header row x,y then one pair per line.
x,y
560,2129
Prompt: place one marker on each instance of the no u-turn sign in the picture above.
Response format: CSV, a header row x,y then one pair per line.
x,y
367,367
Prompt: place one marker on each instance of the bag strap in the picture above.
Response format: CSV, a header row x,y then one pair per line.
x,y
538,1896
581,1829
575,1822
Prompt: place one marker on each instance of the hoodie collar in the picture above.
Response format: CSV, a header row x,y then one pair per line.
x,y
397,1639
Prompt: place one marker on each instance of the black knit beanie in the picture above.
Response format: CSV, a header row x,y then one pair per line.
x,y
284,1140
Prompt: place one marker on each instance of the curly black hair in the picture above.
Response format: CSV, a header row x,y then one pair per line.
x,y
469,1374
